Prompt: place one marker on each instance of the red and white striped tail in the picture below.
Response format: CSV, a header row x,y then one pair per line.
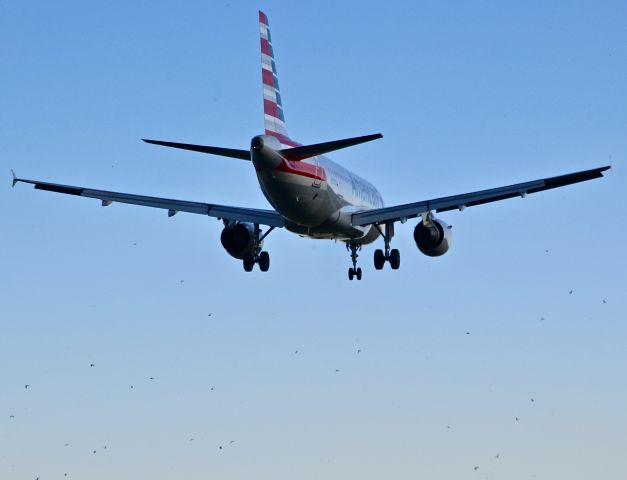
x,y
272,105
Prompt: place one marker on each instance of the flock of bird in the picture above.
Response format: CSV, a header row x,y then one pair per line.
x,y
232,442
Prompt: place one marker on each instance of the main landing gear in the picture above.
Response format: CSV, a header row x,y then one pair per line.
x,y
262,258
393,256
354,271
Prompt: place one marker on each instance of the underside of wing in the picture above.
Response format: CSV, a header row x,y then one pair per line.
x,y
236,214
459,202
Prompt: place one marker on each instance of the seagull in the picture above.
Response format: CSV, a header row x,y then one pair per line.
x,y
358,350
131,386
497,455
532,400
191,439
181,281
295,352
94,451
476,468
604,301
134,244
26,386
467,333
209,315
516,418
220,447
11,416
571,292
231,442
92,365
337,370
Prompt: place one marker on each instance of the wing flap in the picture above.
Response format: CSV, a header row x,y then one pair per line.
x,y
263,217
459,202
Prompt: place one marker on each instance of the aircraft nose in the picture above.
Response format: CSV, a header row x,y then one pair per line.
x,y
257,143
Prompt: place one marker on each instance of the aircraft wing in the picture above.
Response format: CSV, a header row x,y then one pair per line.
x,y
262,217
459,202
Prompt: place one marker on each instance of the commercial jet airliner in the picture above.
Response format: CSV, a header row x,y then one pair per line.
x,y
313,196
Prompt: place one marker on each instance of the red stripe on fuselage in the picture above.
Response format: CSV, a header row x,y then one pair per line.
x,y
283,139
303,169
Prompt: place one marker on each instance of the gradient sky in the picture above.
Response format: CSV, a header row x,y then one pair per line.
x,y
468,95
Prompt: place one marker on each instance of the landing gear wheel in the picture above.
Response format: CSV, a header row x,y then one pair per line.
x,y
351,273
395,259
381,256
379,259
248,261
264,261
358,273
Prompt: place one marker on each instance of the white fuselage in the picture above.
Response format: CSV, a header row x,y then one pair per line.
x,y
316,197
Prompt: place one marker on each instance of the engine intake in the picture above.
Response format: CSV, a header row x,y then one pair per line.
x,y
238,239
433,239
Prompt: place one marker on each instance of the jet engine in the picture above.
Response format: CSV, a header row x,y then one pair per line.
x,y
433,239
238,239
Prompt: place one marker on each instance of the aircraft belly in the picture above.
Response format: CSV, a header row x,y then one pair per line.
x,y
296,198
312,211
333,232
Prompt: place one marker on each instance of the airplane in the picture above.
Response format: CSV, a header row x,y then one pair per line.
x,y
313,196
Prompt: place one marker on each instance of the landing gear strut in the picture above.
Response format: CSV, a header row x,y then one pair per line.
x,y
257,256
393,256
354,271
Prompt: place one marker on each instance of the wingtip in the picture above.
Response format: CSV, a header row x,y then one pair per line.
x,y
601,170
15,179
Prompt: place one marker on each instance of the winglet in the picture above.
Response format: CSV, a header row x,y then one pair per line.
x,y
15,179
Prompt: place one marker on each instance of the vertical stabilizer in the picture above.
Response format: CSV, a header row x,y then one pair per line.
x,y
272,104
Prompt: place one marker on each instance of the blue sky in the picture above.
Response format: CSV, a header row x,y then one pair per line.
x,y
468,95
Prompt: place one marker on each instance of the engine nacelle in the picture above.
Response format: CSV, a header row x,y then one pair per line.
x,y
238,239
433,239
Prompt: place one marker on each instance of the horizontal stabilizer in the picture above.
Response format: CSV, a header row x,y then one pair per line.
x,y
225,152
306,151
